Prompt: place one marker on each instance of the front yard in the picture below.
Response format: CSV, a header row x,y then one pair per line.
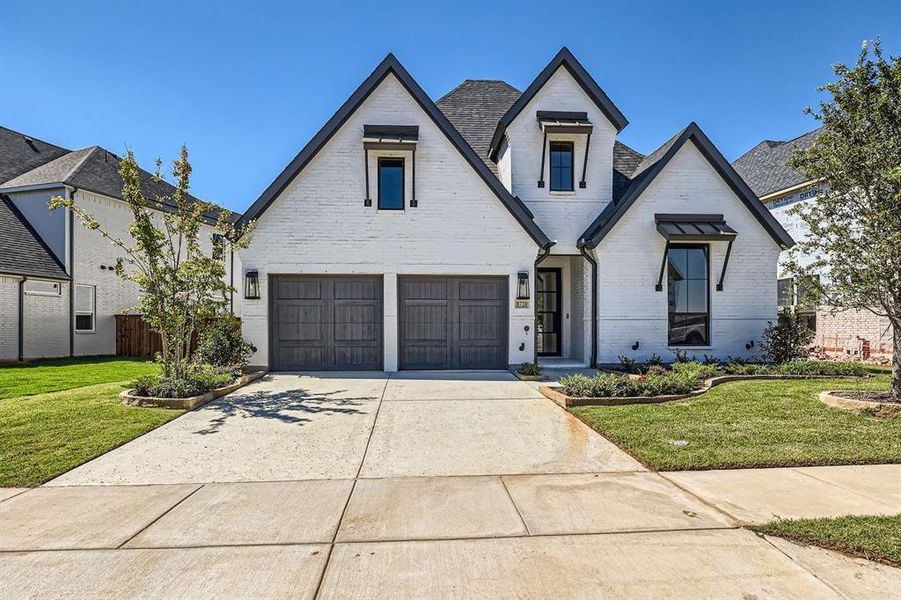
x,y
56,415
751,424
874,537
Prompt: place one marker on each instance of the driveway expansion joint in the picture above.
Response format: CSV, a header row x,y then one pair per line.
x,y
160,516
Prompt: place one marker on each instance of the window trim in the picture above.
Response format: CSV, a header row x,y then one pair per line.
x,y
403,179
572,167
93,311
707,343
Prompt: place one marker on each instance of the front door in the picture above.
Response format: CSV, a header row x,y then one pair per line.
x,y
548,303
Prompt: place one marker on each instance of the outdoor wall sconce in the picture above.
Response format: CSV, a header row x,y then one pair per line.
x,y
522,285
749,345
251,285
635,346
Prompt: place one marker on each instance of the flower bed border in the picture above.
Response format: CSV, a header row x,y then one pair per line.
x,y
522,377
126,397
555,392
886,410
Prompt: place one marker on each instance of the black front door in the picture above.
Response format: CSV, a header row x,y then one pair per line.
x,y
548,303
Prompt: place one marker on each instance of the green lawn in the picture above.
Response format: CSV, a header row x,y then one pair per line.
x,y
51,375
752,424
873,538
43,435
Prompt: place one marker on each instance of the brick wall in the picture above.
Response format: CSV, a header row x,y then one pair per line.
x,y
839,331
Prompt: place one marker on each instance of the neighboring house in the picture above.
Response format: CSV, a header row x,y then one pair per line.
x,y
44,254
494,226
765,168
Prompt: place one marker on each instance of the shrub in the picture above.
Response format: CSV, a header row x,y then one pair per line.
x,y
682,356
655,360
222,345
811,367
618,386
709,359
627,364
529,369
169,387
740,367
696,370
786,340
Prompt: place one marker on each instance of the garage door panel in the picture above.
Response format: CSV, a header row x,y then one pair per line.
x,y
452,322
326,322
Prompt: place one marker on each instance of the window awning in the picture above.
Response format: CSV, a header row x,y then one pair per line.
x,y
693,228
390,134
553,121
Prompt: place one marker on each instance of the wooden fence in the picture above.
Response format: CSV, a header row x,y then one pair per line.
x,y
135,339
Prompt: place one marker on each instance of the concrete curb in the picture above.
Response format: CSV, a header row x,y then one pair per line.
x,y
126,397
886,410
522,377
554,393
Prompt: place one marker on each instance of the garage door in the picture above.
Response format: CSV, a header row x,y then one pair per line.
x,y
452,322
326,323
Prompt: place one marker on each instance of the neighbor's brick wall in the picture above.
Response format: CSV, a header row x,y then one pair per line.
x,y
848,325
319,223
629,265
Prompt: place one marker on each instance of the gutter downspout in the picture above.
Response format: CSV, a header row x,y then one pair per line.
x,y
543,253
231,283
594,304
22,318
71,275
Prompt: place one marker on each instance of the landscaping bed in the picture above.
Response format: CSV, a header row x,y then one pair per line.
x,y
876,538
748,424
132,397
876,404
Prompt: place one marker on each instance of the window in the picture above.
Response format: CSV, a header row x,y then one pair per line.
x,y
85,307
391,184
36,287
688,287
561,166
785,292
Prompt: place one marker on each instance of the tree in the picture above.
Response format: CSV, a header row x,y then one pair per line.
x,y
855,223
182,287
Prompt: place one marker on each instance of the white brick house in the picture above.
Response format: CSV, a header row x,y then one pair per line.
x,y
44,254
495,226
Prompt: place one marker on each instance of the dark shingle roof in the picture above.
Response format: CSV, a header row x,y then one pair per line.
x,y
765,166
20,153
475,106
97,170
22,251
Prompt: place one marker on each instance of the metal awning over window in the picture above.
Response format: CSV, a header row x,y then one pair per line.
x,y
554,121
678,228
390,137
390,134
693,228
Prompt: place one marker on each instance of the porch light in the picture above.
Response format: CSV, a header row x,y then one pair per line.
x,y
522,285
251,285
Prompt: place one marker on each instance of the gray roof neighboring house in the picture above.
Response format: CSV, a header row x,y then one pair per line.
x,y
765,166
20,153
22,251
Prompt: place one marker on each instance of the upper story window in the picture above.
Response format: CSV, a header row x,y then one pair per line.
x,y
688,287
38,287
561,166
391,184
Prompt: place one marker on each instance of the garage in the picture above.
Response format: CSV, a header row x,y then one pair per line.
x,y
452,322
326,323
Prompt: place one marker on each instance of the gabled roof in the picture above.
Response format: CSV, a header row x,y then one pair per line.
x,y
95,170
22,250
765,166
20,153
390,65
564,58
653,164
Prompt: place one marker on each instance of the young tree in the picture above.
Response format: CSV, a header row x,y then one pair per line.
x,y
182,286
855,224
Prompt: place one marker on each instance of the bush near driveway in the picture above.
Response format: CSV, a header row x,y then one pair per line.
x,y
45,435
751,424
50,375
872,537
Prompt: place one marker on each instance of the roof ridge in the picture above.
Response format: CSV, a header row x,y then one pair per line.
x,y
75,169
36,139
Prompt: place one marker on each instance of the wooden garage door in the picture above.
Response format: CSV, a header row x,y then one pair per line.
x,y
452,322
326,323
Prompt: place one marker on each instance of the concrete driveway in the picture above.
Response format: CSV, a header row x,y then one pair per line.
x,y
413,485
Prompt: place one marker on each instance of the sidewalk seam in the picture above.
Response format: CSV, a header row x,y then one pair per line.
x,y
513,502
164,513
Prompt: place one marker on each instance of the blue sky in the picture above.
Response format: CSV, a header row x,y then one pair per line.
x,y
246,84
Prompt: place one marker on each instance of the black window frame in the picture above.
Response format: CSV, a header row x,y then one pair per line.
x,y
403,181
669,316
571,148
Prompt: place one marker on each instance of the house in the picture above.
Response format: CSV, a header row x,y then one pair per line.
x,y
781,188
494,227
45,255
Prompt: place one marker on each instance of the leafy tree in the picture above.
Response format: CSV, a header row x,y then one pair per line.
x,y
786,340
855,224
182,287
